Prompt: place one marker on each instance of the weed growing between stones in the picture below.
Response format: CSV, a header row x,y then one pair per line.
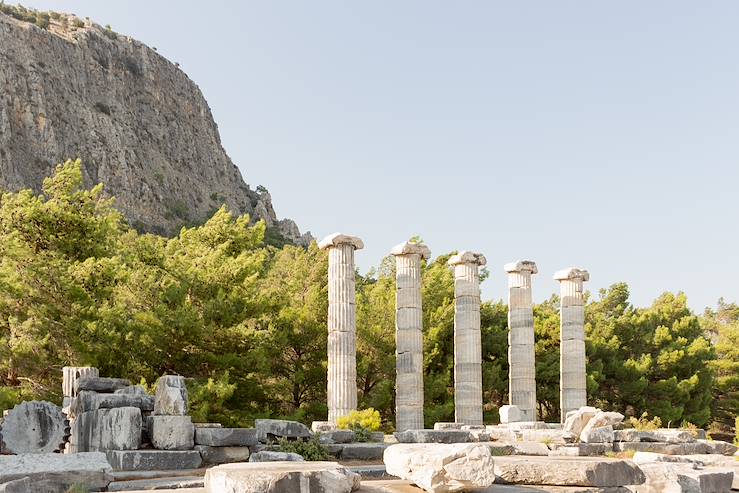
x,y
311,449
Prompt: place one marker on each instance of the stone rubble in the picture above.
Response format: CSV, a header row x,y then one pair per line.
x,y
226,437
441,468
56,473
270,456
566,471
100,384
433,436
153,460
222,455
268,430
281,477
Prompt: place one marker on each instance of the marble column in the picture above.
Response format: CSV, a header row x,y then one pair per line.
x,y
408,335
521,359
467,340
572,376
342,324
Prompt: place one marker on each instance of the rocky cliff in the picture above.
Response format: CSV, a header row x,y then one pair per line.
x,y
71,88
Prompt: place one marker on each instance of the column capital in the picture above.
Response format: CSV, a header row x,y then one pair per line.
x,y
521,266
571,274
410,248
465,257
336,239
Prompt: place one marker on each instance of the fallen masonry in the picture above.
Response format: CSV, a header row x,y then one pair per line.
x,y
441,467
281,477
566,471
34,427
56,473
152,460
433,436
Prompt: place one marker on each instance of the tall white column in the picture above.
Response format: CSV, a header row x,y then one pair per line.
x,y
521,351
408,335
572,376
467,339
342,324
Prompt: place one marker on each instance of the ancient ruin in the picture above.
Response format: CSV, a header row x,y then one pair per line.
x,y
409,335
342,324
572,382
467,341
116,436
521,357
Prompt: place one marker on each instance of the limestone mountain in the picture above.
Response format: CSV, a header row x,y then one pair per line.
x,y
70,88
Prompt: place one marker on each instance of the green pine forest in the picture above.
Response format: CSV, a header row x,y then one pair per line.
x,y
243,316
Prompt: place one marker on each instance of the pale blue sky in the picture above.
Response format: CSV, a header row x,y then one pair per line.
x,y
601,135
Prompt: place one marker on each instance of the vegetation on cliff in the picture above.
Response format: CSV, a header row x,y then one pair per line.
x,y
246,322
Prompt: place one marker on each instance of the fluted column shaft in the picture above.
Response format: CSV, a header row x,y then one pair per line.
x,y
408,336
521,349
572,376
342,325
467,339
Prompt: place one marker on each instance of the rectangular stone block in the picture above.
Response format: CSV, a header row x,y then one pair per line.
x,y
57,473
662,448
153,460
523,336
222,455
226,437
107,429
433,436
519,297
171,432
573,380
408,297
100,384
363,451
90,401
572,351
666,436
409,341
568,471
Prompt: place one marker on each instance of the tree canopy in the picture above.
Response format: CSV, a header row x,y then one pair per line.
x,y
245,322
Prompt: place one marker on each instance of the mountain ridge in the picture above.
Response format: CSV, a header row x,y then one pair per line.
x,y
71,88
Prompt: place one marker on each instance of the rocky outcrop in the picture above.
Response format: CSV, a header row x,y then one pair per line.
x,y
76,90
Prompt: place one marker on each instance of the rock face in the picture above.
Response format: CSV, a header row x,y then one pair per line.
x,y
34,427
281,477
56,473
441,468
138,123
